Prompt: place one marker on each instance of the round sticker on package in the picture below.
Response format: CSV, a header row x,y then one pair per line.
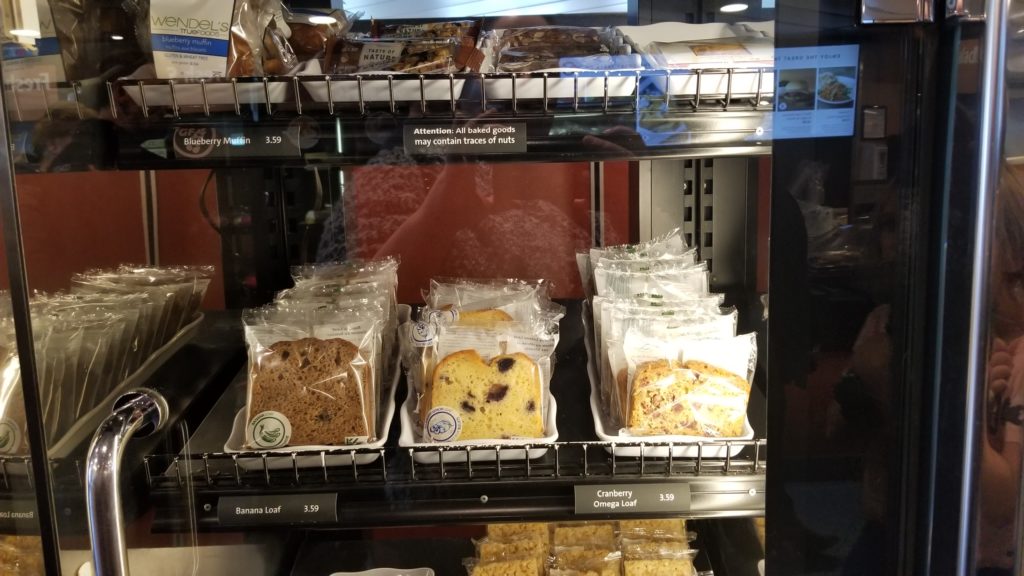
x,y
269,430
442,425
444,317
423,333
10,437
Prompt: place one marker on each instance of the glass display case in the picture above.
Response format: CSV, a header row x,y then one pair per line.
x,y
303,288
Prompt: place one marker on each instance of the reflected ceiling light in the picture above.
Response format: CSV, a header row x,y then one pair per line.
x,y
25,32
116,37
322,19
737,7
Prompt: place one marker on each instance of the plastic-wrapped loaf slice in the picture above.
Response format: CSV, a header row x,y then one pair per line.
x,y
689,387
311,376
498,550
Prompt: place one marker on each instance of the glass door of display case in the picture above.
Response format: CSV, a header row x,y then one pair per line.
x,y
302,288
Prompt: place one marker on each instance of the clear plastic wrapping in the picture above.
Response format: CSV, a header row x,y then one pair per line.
x,y
660,563
311,375
547,47
688,387
599,561
586,534
482,373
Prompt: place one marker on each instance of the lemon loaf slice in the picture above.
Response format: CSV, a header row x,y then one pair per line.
x,y
496,399
486,317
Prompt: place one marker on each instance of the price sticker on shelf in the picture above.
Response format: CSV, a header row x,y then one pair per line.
x,y
18,515
632,498
201,142
277,509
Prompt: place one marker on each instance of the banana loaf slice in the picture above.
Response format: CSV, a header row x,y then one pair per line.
x,y
318,385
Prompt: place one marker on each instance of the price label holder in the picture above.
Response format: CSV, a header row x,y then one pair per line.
x,y
18,515
205,142
632,498
277,509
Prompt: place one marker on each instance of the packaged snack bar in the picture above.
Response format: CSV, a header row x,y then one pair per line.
x,y
460,30
661,562
586,534
586,560
419,56
311,30
522,530
507,567
638,548
671,528
493,550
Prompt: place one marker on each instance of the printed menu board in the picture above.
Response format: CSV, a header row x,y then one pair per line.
x,y
816,91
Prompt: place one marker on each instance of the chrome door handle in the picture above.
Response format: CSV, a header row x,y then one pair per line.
x,y
137,413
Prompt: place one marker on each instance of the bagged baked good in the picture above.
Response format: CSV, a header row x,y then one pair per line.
x,y
640,548
668,283
688,387
549,47
21,555
96,42
311,375
525,566
486,382
496,550
519,530
459,30
311,29
585,534
347,56
657,529
658,567
598,561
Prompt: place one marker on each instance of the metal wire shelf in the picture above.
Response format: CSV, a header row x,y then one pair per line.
x,y
707,90
590,461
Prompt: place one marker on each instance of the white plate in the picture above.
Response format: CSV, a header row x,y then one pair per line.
x,y
375,87
561,82
606,432
389,572
850,84
281,458
188,92
760,567
411,437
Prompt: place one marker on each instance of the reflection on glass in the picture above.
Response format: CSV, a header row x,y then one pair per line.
x,y
1000,473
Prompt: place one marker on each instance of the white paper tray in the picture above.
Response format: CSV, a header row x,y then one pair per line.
x,y
714,76
561,82
376,88
606,431
411,437
281,458
189,92
86,425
